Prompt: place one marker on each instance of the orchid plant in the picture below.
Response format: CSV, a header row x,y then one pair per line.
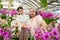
x,y
49,17
7,15
54,34
5,35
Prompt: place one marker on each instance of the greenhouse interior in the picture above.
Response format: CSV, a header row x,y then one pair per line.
x,y
29,19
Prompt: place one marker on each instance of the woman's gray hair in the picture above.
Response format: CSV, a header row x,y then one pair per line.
x,y
35,12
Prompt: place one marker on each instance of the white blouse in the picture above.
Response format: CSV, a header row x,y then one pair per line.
x,y
34,23
20,19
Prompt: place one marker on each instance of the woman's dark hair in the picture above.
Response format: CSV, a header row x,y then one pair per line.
x,y
19,8
35,15
36,12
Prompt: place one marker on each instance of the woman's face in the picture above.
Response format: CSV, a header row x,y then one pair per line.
x,y
20,11
32,12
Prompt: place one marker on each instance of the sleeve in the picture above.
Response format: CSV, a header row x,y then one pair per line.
x,y
42,22
28,19
40,19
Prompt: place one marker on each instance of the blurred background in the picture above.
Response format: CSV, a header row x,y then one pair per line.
x,y
52,5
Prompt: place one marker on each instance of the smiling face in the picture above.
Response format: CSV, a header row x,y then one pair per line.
x,y
20,11
32,12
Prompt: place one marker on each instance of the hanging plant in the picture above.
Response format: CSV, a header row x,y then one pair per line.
x,y
10,3
1,6
43,3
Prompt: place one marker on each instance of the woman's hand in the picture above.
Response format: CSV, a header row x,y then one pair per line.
x,y
44,25
24,25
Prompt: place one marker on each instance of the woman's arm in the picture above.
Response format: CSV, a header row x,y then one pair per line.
x,y
42,22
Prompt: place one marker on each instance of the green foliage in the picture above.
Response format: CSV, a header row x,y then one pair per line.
x,y
1,38
1,6
5,25
3,16
48,21
0,1
8,19
15,32
32,38
43,3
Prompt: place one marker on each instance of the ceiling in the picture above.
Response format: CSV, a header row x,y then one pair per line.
x,y
36,3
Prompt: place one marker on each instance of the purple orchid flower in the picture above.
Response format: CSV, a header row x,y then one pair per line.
x,y
3,11
55,32
46,14
7,38
13,12
46,36
49,15
38,33
6,34
1,32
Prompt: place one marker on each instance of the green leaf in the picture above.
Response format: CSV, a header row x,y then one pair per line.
x,y
3,16
32,38
48,21
16,30
9,23
5,25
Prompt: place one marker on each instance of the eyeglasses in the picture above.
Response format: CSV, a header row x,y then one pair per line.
x,y
32,11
